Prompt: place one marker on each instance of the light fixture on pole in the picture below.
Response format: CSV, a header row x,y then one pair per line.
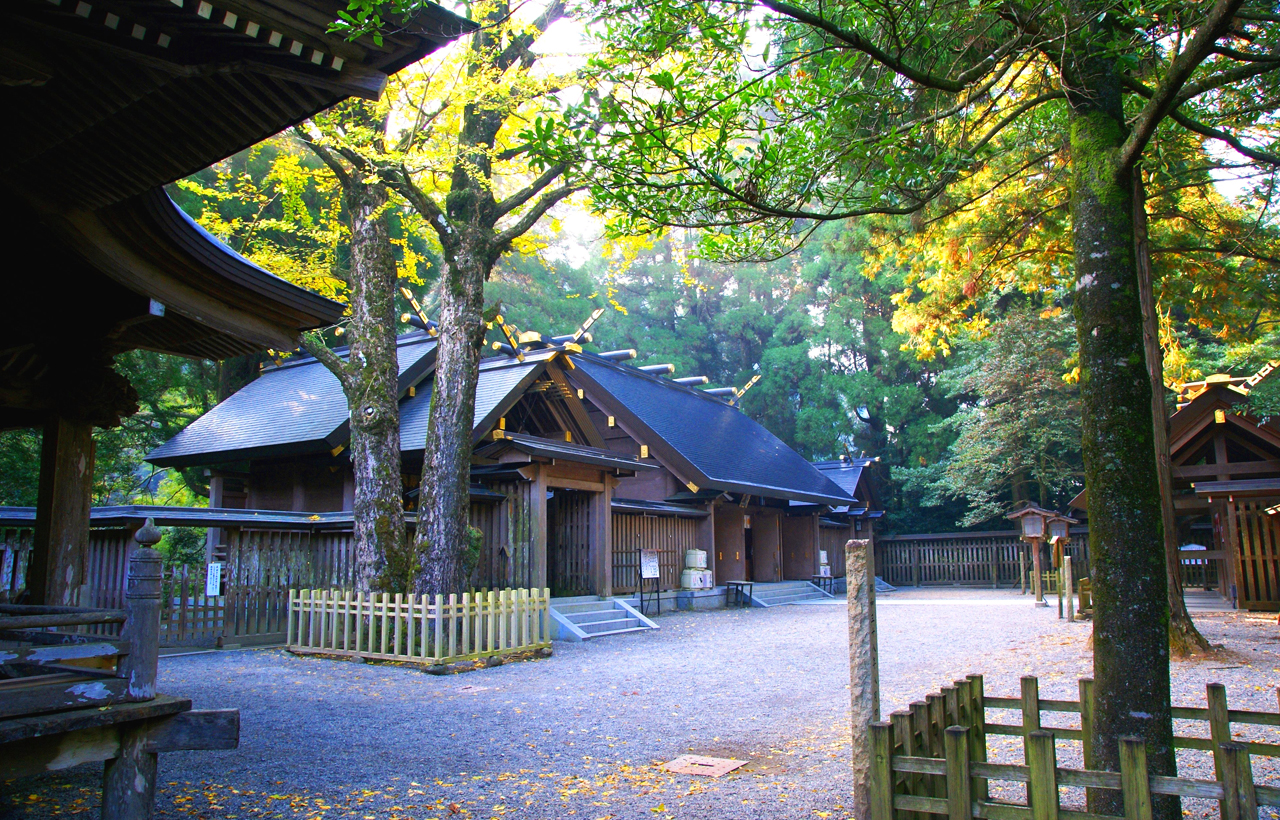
x,y
1032,518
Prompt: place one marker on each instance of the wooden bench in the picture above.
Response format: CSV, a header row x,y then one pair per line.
x,y
67,697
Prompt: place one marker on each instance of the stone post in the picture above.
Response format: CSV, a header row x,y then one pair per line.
x,y
142,619
129,781
864,666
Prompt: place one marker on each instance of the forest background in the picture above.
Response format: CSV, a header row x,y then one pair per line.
x,y
968,409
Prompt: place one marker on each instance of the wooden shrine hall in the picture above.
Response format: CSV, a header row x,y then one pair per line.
x,y
1226,477
106,104
581,462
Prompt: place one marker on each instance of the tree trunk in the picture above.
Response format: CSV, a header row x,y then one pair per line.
x,y
443,515
372,391
1184,638
1126,541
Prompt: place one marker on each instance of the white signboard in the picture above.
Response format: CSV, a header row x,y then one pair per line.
x,y
824,571
648,564
213,580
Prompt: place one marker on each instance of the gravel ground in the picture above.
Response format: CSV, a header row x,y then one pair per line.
x,y
577,735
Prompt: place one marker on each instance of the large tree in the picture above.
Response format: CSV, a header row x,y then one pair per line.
x,y
861,107
457,153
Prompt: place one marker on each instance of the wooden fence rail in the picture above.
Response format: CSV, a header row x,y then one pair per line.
x,y
932,758
416,629
992,559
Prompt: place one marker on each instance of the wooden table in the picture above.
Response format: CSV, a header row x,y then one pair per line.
x,y
826,583
734,593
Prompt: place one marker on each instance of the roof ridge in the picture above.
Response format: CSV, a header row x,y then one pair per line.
x,y
401,341
631,369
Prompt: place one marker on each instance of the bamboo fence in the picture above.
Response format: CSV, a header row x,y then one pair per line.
x,y
416,629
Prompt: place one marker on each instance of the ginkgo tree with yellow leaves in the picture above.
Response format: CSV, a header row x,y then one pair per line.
x,y
449,142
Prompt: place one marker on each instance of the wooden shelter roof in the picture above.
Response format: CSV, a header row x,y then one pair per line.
x,y
116,98
701,438
295,408
107,101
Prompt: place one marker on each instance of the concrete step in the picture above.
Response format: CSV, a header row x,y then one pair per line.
x,y
798,599
785,593
799,593
619,632
582,606
581,618
611,625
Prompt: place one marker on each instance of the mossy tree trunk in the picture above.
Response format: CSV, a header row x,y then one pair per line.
x,y
472,240
1126,538
370,381
444,513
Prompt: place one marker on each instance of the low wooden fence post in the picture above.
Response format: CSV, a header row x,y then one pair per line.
x,y
978,736
1135,784
881,785
1030,712
1042,766
959,786
1240,799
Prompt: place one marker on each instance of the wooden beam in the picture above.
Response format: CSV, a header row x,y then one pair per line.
x,y
538,514
1220,455
576,409
574,484
61,539
1235,469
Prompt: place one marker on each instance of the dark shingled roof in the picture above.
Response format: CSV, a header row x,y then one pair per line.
x,y
721,446
294,408
659,508
499,376
844,473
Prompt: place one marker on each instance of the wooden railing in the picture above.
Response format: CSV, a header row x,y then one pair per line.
x,y
932,758
992,559
416,629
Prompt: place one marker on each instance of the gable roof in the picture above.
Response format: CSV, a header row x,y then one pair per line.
x,y
501,381
701,438
297,407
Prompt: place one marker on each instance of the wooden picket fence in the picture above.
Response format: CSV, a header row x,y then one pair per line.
x,y
932,758
416,629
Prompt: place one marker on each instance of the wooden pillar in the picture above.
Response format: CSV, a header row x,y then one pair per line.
x,y
129,780
706,539
602,539
61,540
815,538
538,514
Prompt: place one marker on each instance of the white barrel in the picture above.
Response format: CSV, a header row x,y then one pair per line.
x,y
695,579
695,559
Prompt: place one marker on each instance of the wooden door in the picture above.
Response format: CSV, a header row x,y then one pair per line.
x,y
1258,576
569,543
